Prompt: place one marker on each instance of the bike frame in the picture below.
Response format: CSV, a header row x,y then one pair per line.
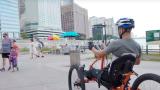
x,y
124,82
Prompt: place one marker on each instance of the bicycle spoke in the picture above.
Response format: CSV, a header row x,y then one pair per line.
x,y
75,81
149,85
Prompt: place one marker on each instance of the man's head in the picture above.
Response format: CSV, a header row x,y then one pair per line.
x,y
125,25
5,35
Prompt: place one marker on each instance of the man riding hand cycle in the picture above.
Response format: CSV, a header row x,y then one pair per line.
x,y
123,46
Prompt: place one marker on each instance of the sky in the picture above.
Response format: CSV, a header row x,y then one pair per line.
x,y
146,13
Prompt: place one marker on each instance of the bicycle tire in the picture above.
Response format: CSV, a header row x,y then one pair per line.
x,y
143,78
80,76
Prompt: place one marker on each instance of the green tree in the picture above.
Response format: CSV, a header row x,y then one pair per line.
x,y
24,35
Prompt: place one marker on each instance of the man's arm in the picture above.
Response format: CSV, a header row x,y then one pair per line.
x,y
138,60
102,53
98,53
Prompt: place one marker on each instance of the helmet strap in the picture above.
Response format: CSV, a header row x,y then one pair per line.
x,y
122,33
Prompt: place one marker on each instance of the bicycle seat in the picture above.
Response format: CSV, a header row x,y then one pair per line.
x,y
119,67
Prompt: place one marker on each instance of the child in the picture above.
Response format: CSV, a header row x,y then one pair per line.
x,y
13,58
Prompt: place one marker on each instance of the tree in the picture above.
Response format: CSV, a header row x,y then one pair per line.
x,y
24,35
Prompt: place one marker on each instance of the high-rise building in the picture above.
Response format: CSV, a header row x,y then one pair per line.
x,y
21,13
66,2
42,17
9,18
94,21
75,18
110,27
21,6
97,32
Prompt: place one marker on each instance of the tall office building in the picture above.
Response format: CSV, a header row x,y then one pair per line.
x,y
21,6
42,17
97,32
21,13
75,18
66,2
94,21
9,18
111,28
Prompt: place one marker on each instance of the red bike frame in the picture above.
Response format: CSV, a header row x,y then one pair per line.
x,y
124,82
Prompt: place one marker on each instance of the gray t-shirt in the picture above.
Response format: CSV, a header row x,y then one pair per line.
x,y
120,47
6,45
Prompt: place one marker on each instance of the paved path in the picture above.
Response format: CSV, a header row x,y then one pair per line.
x,y
51,73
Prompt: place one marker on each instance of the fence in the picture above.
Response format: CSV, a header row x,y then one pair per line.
x,y
151,49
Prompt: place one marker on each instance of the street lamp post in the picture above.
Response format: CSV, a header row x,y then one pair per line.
x,y
105,37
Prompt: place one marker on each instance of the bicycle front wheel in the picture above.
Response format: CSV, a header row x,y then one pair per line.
x,y
147,81
75,79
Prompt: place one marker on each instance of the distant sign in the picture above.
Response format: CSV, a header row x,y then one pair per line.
x,y
153,35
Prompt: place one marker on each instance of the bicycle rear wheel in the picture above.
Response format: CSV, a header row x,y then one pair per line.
x,y
147,81
75,79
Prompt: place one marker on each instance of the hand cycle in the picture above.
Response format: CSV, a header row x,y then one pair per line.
x,y
77,80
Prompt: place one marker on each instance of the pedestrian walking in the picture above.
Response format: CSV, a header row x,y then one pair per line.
x,y
40,47
5,50
32,49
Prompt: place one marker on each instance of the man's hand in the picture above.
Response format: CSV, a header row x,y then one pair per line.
x,y
90,45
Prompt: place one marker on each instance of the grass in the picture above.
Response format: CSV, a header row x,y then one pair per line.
x,y
24,50
153,54
153,60
45,49
151,57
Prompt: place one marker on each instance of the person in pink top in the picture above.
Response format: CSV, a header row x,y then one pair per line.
x,y
13,58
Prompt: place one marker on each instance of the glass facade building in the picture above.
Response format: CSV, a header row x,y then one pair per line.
x,y
9,18
66,2
111,28
42,17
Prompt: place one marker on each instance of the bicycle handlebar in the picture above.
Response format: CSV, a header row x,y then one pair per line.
x,y
102,61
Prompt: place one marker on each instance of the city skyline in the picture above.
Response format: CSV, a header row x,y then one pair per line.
x,y
144,12
42,18
75,18
110,27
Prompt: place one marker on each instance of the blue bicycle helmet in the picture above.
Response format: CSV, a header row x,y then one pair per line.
x,y
125,23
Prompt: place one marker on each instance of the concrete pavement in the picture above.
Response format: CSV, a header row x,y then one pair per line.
x,y
51,73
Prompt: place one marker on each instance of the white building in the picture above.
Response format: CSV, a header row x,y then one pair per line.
x,y
42,17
